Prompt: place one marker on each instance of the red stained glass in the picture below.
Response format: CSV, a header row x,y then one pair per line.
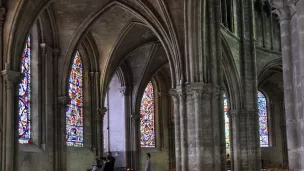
x,y
24,102
147,127
74,110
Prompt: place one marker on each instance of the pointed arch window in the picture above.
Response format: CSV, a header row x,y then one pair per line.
x,y
147,112
24,101
74,110
227,125
263,120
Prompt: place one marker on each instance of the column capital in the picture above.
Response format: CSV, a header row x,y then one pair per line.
x,y
12,78
284,10
44,48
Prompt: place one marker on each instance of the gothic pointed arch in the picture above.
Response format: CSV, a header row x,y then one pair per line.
x,y
74,111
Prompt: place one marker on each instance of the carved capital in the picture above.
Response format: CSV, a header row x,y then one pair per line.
x,y
11,78
284,10
43,48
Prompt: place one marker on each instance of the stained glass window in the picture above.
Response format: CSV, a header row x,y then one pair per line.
x,y
227,128
74,110
147,118
263,120
24,102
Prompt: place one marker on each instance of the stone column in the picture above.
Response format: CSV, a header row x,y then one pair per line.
x,y
60,131
234,141
291,15
126,93
177,138
11,78
197,128
100,138
136,141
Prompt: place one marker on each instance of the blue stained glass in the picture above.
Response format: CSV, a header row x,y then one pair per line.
x,y
227,128
24,102
147,129
263,120
74,110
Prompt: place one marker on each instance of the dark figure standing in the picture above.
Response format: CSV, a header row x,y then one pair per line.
x,y
109,162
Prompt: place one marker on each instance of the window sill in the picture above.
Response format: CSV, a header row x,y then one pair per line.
x,y
31,148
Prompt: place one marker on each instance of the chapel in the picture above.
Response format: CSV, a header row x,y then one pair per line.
x,y
201,85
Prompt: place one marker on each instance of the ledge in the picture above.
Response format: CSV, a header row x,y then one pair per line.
x,y
30,148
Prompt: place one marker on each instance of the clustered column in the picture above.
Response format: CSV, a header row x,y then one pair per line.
x,y
10,118
196,128
60,130
291,15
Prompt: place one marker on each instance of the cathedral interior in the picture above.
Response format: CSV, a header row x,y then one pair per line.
x,y
201,85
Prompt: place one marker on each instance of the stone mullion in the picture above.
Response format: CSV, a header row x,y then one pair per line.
x,y
11,149
177,128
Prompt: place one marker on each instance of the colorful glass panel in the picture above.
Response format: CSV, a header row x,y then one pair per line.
x,y
263,120
74,110
227,128
24,102
147,118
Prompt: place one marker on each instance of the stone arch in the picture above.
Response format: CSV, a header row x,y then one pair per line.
x,y
270,83
19,27
231,77
155,26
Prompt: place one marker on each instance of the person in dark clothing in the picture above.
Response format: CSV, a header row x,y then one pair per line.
x,y
109,162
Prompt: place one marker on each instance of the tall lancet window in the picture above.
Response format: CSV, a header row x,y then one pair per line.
x,y
263,120
24,102
147,127
74,110
227,128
